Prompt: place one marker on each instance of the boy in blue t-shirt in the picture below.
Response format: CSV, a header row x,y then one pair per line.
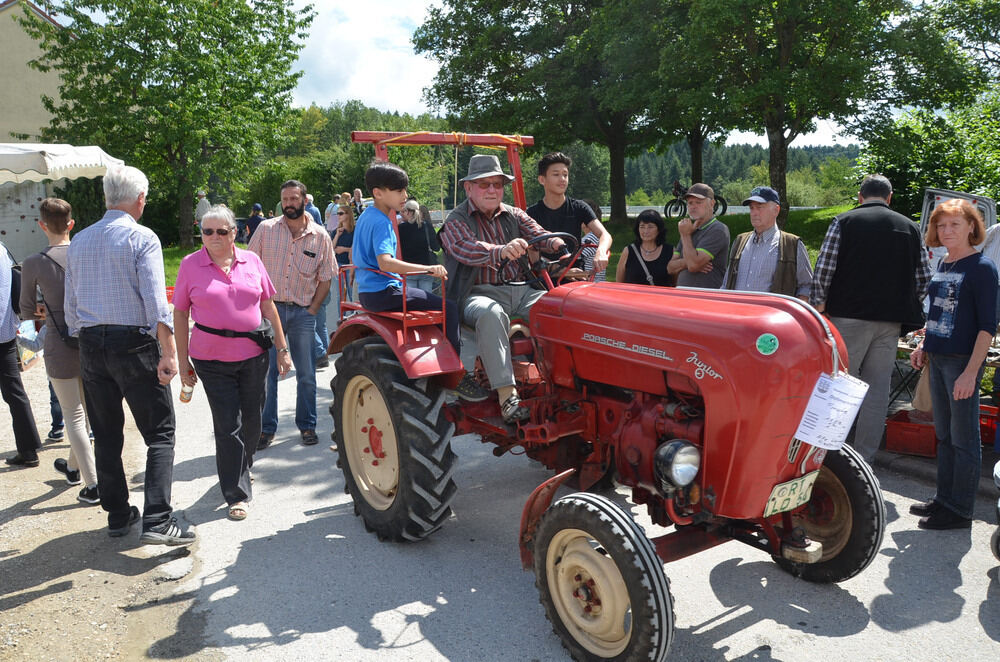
x,y
375,248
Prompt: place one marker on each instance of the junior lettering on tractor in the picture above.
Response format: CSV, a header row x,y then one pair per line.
x,y
723,412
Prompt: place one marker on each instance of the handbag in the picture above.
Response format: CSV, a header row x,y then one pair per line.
x,y
922,392
263,335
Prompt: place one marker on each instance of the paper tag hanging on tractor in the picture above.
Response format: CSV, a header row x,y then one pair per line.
x,y
832,407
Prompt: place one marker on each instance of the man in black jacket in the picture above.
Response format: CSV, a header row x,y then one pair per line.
x,y
871,276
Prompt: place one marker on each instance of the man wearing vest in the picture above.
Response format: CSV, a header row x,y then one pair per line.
x,y
476,237
871,275
768,259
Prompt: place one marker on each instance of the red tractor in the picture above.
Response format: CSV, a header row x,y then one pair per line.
x,y
690,398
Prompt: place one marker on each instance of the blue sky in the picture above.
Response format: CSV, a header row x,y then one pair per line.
x,y
361,49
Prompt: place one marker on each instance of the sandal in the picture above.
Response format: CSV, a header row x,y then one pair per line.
x,y
513,411
238,511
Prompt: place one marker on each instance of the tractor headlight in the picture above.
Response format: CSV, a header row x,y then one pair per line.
x,y
676,464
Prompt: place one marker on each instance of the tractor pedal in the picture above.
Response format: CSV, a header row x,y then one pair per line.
x,y
812,552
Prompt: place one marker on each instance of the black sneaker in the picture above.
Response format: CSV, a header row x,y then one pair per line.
x,y
942,519
118,532
89,495
924,508
309,438
167,533
470,390
21,461
265,440
62,466
323,362
55,434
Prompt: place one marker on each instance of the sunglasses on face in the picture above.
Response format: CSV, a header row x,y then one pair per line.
x,y
485,186
208,232
341,213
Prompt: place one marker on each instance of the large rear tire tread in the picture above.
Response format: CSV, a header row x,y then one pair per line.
x,y
866,525
618,537
425,487
995,543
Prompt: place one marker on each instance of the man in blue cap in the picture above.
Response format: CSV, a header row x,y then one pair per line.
x,y
768,259
256,216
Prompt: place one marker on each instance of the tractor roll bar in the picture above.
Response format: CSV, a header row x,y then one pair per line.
x,y
511,143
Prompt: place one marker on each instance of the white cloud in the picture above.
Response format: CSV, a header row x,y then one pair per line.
x,y
826,133
361,49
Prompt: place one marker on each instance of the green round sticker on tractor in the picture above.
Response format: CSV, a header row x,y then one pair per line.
x,y
767,344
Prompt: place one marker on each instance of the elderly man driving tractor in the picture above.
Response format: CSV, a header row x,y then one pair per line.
x,y
482,240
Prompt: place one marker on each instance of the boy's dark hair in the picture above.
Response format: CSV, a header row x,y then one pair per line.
x,y
55,214
552,158
294,183
385,175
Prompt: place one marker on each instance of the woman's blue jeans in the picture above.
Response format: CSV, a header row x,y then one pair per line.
x,y
956,424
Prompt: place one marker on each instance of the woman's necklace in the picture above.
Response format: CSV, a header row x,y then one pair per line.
x,y
648,252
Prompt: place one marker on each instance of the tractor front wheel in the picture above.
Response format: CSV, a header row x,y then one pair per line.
x,y
394,443
846,513
601,582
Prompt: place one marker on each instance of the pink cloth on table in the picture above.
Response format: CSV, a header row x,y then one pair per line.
x,y
222,301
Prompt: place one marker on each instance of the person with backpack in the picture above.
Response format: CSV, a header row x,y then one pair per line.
x,y
46,272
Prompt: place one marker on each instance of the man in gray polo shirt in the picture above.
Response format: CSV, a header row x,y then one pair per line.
x,y
768,259
701,258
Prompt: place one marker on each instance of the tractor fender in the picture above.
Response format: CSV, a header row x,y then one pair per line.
x,y
423,351
536,505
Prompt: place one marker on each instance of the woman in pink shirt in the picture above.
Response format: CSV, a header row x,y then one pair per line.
x,y
225,288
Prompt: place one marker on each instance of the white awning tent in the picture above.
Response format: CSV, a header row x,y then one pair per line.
x,y
36,162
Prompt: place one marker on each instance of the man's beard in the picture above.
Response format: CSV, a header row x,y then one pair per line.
x,y
293,212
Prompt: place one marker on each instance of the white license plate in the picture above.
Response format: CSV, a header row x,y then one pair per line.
x,y
790,495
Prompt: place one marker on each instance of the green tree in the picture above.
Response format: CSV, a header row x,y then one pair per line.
x,y
786,63
563,71
183,89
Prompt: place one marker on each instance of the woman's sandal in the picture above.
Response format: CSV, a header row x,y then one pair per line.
x,y
238,511
513,411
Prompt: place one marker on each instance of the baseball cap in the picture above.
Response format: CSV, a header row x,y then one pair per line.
x,y
763,194
256,206
700,191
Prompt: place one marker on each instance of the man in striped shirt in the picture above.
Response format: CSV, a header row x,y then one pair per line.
x,y
298,256
478,236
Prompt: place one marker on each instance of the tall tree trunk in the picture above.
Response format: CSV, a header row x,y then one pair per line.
x,y
777,166
185,218
696,143
616,150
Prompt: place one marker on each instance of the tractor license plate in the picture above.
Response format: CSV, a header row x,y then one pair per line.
x,y
790,495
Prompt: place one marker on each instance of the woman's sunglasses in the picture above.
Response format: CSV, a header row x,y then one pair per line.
x,y
222,232
341,213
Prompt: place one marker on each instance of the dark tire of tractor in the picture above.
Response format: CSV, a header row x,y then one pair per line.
x,y
675,209
995,544
625,542
426,462
866,520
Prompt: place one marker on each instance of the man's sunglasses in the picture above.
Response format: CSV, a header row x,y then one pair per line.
x,y
222,232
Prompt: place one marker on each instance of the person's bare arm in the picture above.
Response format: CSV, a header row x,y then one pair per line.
x,y
620,269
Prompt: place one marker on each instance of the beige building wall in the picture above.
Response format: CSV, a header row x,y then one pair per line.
x,y
21,109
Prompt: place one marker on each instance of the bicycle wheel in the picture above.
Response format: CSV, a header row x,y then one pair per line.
x,y
676,208
720,206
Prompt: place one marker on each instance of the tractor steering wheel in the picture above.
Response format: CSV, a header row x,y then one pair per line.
x,y
532,273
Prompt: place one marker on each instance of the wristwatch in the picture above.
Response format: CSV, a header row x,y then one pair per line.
x,y
284,349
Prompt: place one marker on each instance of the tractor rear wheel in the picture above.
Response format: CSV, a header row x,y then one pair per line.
x,y
846,513
394,443
601,583
995,544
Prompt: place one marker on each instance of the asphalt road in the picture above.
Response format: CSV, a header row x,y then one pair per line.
x,y
301,579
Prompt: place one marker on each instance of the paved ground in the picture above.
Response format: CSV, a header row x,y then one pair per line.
x,y
300,579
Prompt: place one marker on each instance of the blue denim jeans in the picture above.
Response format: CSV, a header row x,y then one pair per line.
x,y
425,282
55,411
322,332
300,333
120,362
956,424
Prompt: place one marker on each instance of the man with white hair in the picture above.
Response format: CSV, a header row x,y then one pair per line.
x,y
116,304
768,259
202,208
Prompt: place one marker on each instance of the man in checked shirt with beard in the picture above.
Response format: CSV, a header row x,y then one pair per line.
x,y
476,236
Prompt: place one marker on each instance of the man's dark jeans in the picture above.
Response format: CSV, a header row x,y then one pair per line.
x,y
117,362
235,391
25,432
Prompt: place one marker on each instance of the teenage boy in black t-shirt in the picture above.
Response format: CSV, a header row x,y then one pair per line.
x,y
556,212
